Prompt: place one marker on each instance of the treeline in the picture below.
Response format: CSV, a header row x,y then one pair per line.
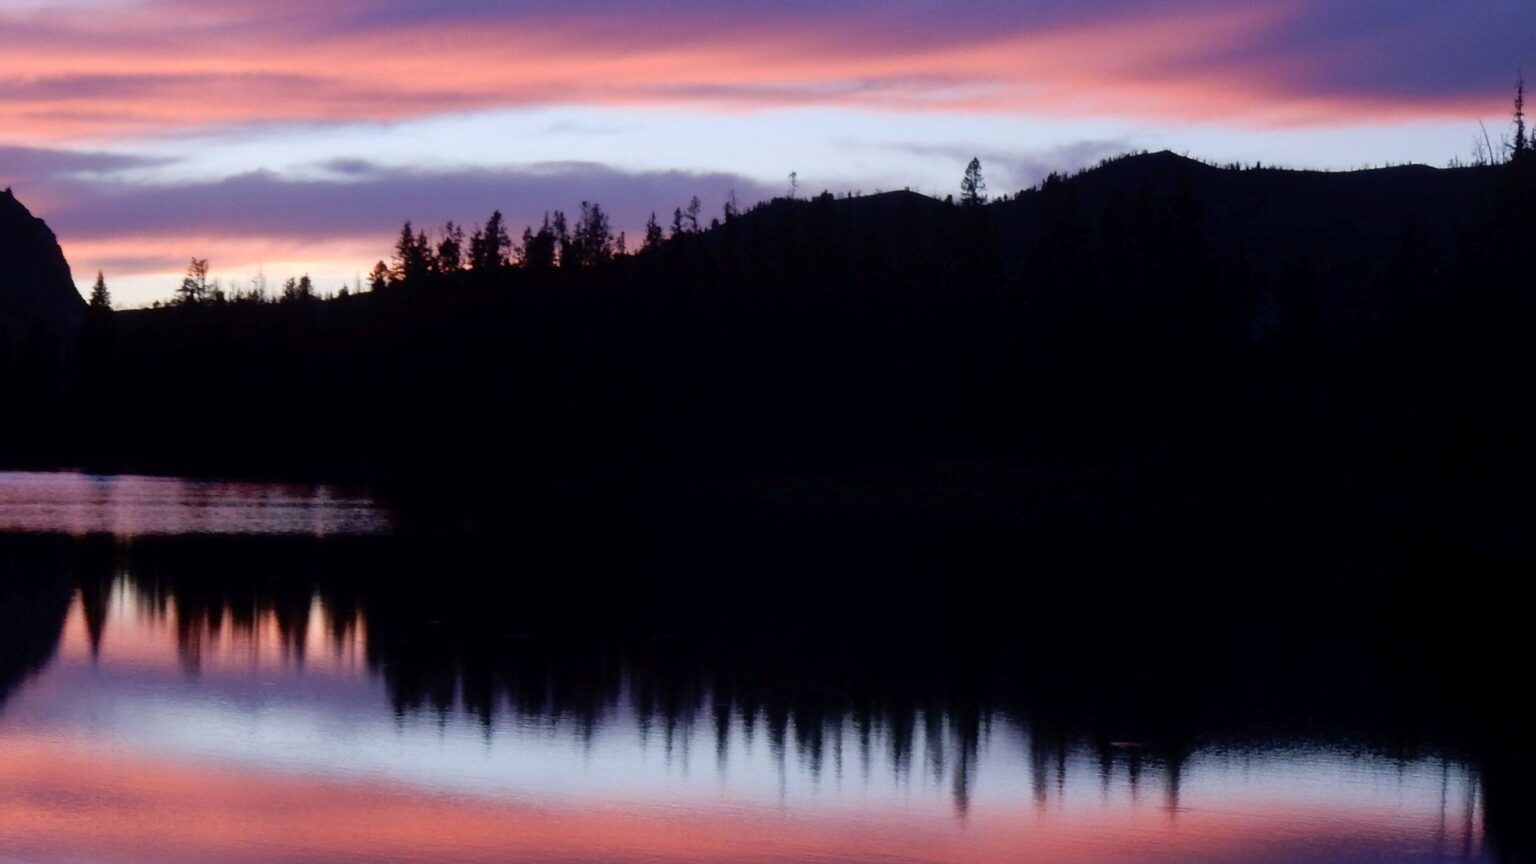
x,y
418,258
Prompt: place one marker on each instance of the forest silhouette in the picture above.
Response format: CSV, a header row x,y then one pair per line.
x,y
1153,325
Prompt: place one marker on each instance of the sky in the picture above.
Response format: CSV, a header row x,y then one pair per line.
x,y
279,137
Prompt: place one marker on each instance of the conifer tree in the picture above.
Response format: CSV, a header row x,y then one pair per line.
x,y
561,233
592,242
450,250
101,298
488,247
413,257
973,187
539,248
653,234
378,280
1522,143
195,286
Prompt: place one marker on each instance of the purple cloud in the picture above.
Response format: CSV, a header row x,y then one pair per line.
x,y
22,166
368,199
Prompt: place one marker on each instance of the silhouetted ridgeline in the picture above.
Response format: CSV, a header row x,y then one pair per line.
x,y
38,301
1155,320
40,315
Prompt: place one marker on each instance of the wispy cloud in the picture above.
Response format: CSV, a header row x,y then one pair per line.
x,y
367,199
23,165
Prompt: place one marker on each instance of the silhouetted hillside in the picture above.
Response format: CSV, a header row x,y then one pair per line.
x,y
40,319
1346,226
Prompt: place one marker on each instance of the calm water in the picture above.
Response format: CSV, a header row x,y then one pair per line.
x,y
153,710
129,506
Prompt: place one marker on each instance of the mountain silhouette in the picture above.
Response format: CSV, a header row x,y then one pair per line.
x,y
37,293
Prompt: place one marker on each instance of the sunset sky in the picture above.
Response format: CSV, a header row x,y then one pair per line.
x,y
287,136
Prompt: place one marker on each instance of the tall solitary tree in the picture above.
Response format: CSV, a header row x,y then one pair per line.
x,y
1522,143
378,280
195,286
973,189
101,298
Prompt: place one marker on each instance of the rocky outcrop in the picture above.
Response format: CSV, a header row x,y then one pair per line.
x,y
37,293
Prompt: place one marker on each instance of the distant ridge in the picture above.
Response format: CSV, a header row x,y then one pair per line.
x,y
1345,226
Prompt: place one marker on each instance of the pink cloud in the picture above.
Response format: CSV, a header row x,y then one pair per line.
x,y
167,64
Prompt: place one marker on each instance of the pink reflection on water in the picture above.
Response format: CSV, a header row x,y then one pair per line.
x,y
65,802
138,632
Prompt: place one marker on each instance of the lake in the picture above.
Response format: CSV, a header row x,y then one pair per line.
x,y
204,672
130,506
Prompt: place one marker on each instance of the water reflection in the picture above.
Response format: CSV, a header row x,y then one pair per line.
x,y
131,506
235,716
